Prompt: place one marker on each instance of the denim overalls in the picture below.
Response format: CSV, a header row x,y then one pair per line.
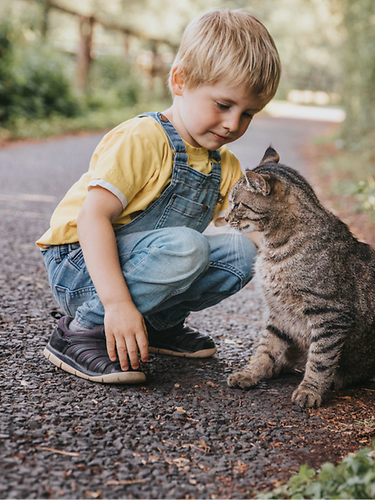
x,y
170,268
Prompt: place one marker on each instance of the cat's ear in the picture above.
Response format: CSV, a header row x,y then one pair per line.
x,y
257,183
270,156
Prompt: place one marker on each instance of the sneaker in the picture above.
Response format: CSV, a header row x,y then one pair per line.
x,y
85,354
180,340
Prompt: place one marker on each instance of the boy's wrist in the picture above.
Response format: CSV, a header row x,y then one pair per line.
x,y
118,304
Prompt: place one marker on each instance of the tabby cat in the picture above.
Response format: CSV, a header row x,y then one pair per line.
x,y
318,282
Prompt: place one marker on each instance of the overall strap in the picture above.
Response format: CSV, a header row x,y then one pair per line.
x,y
174,138
216,156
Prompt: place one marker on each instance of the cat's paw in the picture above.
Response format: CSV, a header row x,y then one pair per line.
x,y
306,397
242,379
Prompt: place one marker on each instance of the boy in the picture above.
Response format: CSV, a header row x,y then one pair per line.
x,y
125,255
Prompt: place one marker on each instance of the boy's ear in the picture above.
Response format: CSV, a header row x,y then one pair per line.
x,y
177,81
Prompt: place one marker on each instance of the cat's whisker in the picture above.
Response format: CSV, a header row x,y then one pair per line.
x,y
243,252
261,221
231,242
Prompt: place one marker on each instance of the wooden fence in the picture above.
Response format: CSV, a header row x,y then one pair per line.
x,y
87,23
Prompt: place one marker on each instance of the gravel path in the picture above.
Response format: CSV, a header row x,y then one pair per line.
x,y
185,433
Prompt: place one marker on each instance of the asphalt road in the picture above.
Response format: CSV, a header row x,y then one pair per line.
x,y
185,433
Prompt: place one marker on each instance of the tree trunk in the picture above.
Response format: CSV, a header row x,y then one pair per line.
x,y
359,85
86,27
46,7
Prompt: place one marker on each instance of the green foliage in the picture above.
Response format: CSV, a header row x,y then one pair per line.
x,y
33,81
42,84
354,477
6,69
113,83
6,33
359,67
365,192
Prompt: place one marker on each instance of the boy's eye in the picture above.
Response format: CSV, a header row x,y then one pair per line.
x,y
248,115
222,106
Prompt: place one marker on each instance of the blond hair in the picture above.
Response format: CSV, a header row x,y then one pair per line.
x,y
229,45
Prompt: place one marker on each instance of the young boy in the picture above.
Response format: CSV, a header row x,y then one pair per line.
x,y
125,254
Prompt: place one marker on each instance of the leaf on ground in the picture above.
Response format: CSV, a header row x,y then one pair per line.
x,y
179,462
93,494
178,408
240,467
204,445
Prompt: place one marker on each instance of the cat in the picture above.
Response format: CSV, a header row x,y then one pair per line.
x,y
318,282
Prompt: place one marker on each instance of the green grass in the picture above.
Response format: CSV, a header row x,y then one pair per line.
x,y
354,477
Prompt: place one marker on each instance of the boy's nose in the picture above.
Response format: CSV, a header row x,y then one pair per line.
x,y
232,123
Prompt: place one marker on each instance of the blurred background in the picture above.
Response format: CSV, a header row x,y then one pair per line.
x,y
68,66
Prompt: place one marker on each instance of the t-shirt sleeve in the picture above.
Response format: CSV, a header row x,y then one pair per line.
x,y
124,162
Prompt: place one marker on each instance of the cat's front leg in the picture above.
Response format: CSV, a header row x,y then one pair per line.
x,y
322,362
268,361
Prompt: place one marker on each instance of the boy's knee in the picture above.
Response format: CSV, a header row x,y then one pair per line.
x,y
236,254
191,249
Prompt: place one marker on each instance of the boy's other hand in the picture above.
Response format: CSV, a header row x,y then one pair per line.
x,y
125,330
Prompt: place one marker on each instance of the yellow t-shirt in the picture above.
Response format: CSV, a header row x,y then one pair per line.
x,y
134,161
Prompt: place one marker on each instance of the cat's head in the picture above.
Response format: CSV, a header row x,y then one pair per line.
x,y
268,196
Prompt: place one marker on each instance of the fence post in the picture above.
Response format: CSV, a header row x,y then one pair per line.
x,y
84,58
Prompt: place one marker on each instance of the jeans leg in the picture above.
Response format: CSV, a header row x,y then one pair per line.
x,y
156,265
231,267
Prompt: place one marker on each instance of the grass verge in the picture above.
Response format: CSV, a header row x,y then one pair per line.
x,y
351,174
22,128
354,477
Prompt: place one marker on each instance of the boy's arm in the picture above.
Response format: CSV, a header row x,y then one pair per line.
x,y
123,323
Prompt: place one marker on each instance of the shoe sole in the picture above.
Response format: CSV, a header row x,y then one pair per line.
x,y
205,353
110,378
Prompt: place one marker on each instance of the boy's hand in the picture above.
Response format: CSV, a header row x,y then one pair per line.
x,y
125,330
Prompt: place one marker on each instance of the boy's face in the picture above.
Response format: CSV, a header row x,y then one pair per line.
x,y
212,115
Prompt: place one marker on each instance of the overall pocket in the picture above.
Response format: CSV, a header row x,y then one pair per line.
x,y
70,280
181,211
70,300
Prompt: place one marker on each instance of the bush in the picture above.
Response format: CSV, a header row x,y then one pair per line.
x,y
6,70
113,83
43,87
354,477
359,77
365,192
33,81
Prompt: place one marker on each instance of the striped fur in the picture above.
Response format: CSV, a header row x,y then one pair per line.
x,y
318,282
